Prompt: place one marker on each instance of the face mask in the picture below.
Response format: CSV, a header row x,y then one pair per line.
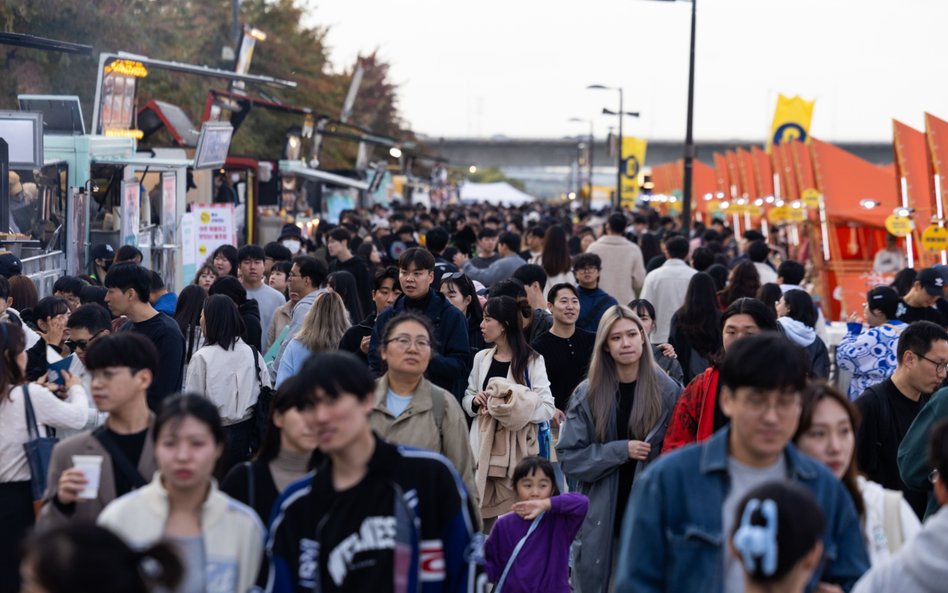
x,y
293,245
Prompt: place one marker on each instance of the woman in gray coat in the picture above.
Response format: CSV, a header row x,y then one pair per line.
x,y
615,425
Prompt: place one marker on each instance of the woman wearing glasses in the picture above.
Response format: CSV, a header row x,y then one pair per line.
x,y
409,409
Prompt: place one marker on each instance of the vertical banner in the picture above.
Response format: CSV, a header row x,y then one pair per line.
x,y
633,159
130,212
214,226
791,121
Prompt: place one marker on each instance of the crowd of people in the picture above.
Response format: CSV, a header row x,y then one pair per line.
x,y
452,399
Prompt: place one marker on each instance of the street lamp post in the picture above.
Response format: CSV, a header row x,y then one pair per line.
x,y
589,163
621,113
689,140
689,121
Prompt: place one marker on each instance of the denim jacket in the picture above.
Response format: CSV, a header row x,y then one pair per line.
x,y
672,536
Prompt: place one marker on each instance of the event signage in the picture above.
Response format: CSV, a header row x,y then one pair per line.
x,y
215,225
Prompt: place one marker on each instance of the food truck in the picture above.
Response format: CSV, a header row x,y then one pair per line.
x,y
284,183
112,192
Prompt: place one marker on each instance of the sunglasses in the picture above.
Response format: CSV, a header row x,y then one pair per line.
x,y
75,345
453,276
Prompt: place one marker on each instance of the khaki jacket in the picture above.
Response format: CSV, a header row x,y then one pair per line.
x,y
86,444
416,427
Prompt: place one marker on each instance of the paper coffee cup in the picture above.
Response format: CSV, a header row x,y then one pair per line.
x,y
91,467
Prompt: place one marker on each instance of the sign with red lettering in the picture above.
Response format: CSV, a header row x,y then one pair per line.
x,y
215,226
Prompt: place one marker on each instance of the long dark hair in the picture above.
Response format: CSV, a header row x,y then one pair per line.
x,y
816,392
464,285
344,284
555,258
744,281
223,324
187,314
699,317
649,245
12,342
506,311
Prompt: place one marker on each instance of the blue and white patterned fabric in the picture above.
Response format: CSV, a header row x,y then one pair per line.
x,y
869,355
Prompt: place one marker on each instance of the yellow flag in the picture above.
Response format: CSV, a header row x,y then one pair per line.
x,y
633,159
791,121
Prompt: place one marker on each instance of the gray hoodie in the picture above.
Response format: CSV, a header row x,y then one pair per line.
x,y
921,566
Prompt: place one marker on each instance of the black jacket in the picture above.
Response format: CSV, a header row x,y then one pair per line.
x,y
253,333
451,362
411,508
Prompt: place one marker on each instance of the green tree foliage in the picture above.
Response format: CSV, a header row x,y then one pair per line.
x,y
195,31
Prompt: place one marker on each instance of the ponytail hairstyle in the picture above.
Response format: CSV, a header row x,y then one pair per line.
x,y
86,558
12,343
604,380
777,524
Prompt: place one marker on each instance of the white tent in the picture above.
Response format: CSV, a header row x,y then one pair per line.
x,y
499,193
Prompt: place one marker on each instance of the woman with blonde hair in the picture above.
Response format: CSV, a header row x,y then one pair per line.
x,y
614,428
323,328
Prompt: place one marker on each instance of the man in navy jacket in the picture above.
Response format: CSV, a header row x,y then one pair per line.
x,y
451,362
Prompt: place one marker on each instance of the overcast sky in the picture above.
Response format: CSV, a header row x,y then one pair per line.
x,y
519,68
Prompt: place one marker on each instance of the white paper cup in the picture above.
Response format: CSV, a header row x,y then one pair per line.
x,y
91,467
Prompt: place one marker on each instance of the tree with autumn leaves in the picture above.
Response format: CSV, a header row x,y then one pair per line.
x,y
195,31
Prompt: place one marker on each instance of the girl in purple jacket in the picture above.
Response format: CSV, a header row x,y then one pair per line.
x,y
546,522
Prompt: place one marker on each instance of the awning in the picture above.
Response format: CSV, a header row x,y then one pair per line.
x,y
846,180
295,168
144,161
911,162
157,114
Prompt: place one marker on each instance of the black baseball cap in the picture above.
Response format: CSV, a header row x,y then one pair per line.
x,y
103,251
883,298
932,281
10,265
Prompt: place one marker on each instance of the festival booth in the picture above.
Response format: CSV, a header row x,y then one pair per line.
x,y
856,197
37,216
115,194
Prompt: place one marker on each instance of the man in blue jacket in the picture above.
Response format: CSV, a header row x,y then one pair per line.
x,y
681,513
451,362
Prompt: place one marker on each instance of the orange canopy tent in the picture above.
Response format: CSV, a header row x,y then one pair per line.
x,y
936,132
857,197
914,184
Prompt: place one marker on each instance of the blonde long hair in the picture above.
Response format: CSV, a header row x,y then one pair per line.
x,y
604,380
325,323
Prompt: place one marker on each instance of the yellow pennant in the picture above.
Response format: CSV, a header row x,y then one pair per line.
x,y
791,121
